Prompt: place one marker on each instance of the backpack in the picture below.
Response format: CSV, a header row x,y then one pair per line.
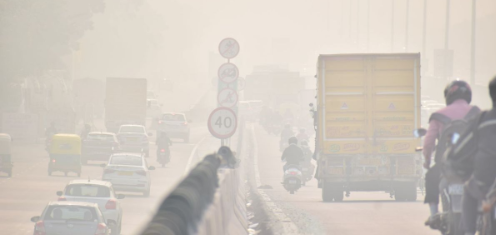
x,y
450,127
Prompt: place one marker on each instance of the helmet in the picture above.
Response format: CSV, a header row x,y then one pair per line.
x,y
293,140
492,90
457,90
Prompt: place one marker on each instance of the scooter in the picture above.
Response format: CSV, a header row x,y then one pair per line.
x,y
292,178
163,156
448,221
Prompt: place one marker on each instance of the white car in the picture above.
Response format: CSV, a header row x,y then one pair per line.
x,y
128,172
134,138
99,192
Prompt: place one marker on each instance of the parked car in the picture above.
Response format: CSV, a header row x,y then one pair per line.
x,y
99,192
99,146
70,218
134,138
175,125
128,172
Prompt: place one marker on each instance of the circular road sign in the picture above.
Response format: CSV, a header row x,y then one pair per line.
x,y
222,123
227,98
228,72
229,48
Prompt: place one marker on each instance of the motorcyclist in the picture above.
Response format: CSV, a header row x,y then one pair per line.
x,y
85,131
302,136
163,142
484,157
286,133
307,153
458,96
293,155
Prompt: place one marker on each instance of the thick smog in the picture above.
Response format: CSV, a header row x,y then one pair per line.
x,y
249,117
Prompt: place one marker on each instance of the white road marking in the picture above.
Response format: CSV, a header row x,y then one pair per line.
x,y
287,224
193,153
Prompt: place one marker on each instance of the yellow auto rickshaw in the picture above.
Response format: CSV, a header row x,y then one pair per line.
x,y
5,154
65,154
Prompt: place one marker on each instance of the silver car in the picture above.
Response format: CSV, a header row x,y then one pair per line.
x,y
70,218
134,138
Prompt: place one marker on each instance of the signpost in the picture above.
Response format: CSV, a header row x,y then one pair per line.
x,y
223,122
227,98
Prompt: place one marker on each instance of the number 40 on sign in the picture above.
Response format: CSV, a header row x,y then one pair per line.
x,y
222,123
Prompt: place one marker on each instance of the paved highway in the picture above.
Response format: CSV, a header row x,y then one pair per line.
x,y
30,189
305,213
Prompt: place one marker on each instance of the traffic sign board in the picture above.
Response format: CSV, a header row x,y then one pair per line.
x,y
222,123
229,48
227,98
228,72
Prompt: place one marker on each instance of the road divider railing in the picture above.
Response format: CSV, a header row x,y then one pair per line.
x,y
209,200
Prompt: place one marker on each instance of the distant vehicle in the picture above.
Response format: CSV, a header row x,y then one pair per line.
x,y
5,154
99,146
134,138
128,172
70,218
153,108
65,154
99,192
175,125
125,102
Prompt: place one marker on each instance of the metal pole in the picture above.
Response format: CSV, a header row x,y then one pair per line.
x,y
368,24
392,25
349,22
424,29
472,61
446,38
406,24
358,20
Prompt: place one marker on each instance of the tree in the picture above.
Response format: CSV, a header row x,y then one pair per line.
x,y
34,35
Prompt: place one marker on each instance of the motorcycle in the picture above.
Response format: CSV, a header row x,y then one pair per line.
x,y
448,221
292,178
163,156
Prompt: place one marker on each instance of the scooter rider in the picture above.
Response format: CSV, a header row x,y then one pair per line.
x,y
458,95
483,135
293,155
302,135
163,142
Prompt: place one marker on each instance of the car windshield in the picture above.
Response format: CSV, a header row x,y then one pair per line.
x,y
173,117
87,190
126,160
100,137
132,129
71,213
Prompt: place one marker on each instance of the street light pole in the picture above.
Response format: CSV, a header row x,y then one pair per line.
x,y
406,24
446,39
472,61
424,28
392,25
368,24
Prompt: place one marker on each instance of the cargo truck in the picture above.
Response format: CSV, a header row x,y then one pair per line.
x,y
125,102
368,106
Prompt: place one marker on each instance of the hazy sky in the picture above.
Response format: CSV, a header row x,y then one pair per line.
x,y
293,33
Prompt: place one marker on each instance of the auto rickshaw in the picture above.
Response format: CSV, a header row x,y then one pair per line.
x,y
5,154
65,154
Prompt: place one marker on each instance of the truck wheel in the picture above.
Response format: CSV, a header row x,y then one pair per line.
x,y
411,192
332,192
338,194
326,193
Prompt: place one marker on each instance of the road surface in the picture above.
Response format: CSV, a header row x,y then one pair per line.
x,y
363,213
30,189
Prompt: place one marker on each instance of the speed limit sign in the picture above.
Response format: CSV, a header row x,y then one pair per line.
x,y
222,123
